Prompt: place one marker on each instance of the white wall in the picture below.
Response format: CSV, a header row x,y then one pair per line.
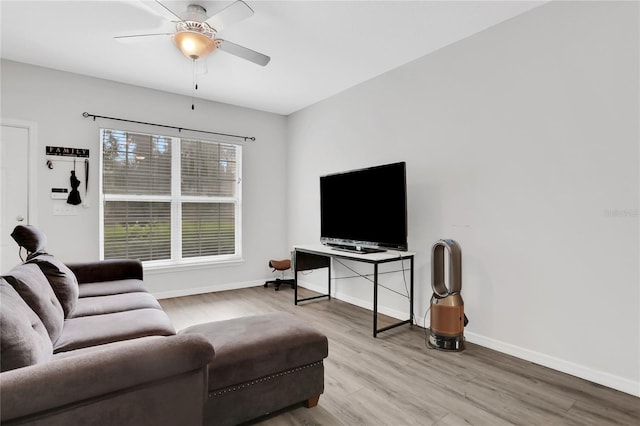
x,y
55,101
521,143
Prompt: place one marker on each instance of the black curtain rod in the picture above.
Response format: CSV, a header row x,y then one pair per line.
x,y
179,129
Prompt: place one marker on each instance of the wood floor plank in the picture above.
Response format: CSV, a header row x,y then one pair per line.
x,y
396,380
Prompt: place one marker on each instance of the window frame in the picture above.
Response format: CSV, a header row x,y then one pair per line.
x,y
176,200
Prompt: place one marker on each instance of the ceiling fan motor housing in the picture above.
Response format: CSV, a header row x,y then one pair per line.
x,y
195,12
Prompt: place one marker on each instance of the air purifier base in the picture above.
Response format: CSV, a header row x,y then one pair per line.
x,y
445,343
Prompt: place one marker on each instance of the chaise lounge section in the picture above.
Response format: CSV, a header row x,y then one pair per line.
x,y
263,364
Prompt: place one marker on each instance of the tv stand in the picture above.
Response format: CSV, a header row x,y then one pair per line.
x,y
320,256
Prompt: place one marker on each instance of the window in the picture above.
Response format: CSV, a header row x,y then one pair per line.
x,y
169,200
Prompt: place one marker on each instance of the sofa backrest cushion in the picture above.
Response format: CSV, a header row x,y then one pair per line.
x,y
23,337
62,280
31,284
29,237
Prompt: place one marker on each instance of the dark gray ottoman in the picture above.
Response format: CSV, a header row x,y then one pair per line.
x,y
262,364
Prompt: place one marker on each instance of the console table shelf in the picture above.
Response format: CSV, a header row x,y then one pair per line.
x,y
309,257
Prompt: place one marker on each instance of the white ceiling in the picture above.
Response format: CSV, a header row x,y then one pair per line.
x,y
317,48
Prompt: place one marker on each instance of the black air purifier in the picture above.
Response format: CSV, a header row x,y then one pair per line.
x,y
447,307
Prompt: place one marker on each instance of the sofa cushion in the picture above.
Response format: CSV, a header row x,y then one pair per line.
x,y
105,347
62,280
109,304
35,290
24,339
94,330
107,270
29,237
105,288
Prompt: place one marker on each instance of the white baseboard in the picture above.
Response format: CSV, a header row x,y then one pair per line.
x,y
609,380
366,304
207,289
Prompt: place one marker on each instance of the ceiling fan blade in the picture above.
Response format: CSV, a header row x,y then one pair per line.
x,y
235,12
139,37
159,9
243,52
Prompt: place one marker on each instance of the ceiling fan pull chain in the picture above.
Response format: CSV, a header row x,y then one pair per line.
x,y
194,85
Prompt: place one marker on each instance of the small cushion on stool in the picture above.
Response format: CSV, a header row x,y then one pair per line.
x,y
251,347
280,265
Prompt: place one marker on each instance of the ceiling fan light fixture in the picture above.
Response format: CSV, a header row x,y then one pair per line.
x,y
195,33
194,45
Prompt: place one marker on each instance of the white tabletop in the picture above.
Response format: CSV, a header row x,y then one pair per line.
x,y
370,257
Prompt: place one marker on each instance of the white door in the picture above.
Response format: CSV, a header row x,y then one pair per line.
x,y
14,184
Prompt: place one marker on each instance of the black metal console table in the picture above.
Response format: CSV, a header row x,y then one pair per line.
x,y
319,256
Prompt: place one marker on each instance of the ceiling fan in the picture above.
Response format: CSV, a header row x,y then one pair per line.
x,y
195,32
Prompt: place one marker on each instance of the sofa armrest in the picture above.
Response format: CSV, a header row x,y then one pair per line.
x,y
106,270
88,378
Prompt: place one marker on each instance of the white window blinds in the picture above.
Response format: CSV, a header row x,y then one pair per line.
x,y
169,200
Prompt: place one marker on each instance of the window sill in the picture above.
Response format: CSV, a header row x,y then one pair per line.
x,y
158,268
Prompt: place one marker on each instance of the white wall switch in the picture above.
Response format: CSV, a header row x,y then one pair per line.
x,y
64,210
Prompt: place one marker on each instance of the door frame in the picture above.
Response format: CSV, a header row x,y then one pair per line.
x,y
32,164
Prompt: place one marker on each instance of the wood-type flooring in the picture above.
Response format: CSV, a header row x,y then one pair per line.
x,y
396,380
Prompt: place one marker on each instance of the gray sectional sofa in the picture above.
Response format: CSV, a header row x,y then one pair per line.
x,y
85,343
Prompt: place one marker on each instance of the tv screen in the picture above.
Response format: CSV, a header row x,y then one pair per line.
x,y
365,209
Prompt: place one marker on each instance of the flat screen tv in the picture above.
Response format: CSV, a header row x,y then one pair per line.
x,y
365,210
